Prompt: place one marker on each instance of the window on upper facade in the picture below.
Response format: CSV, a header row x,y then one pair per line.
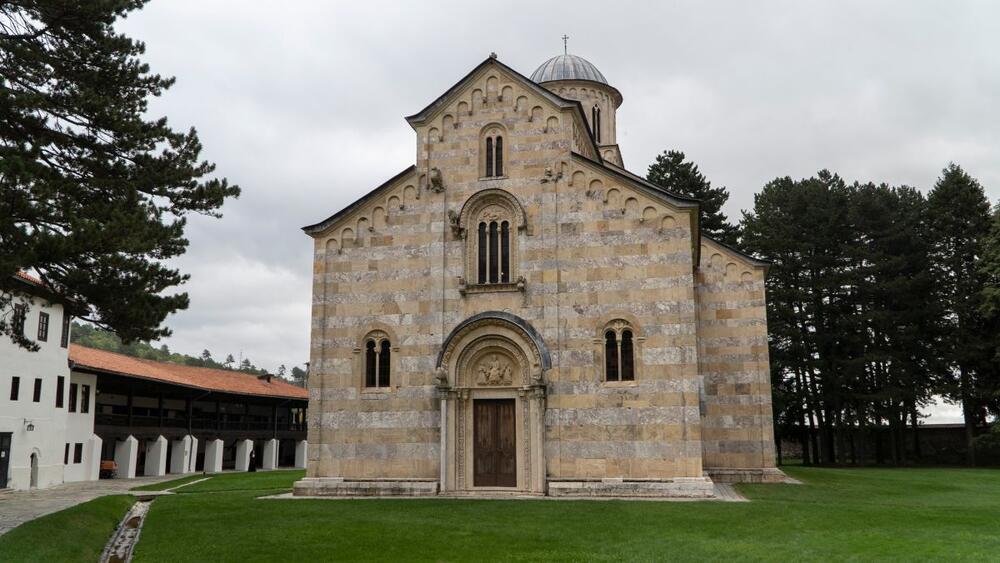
x,y
619,352
60,391
492,146
15,387
491,221
43,326
378,350
85,398
17,322
72,397
64,340
595,122
37,395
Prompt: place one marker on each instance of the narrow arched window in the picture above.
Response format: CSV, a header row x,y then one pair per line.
x,y
505,252
481,277
378,364
491,164
383,364
619,351
499,156
595,122
611,356
371,366
627,358
489,157
494,253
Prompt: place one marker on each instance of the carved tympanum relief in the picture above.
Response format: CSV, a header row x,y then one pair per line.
x,y
494,370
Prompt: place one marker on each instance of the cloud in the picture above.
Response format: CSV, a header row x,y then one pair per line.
x,y
303,107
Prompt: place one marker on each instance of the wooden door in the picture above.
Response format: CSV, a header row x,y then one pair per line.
x,y
494,452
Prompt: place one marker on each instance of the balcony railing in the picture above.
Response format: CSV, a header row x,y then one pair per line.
x,y
199,423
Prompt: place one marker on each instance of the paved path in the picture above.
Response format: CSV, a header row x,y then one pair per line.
x,y
17,507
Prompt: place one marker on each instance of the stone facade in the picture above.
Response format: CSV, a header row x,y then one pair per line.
x,y
591,246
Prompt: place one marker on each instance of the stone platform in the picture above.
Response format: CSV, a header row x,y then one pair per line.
x,y
339,487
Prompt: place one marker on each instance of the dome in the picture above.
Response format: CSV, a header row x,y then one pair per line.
x,y
567,67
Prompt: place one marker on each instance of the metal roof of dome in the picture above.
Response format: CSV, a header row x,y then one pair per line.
x,y
567,67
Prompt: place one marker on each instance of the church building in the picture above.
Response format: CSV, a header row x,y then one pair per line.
x,y
517,312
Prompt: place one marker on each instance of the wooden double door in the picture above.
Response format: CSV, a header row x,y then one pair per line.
x,y
495,443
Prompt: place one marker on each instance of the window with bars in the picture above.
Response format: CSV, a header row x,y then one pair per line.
x,y
378,364
619,353
17,322
43,326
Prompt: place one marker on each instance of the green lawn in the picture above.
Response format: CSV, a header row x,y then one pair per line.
x,y
838,514
75,534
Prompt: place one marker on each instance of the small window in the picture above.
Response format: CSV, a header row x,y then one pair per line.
x,y
595,122
378,364
619,352
492,147
43,326
78,453
60,391
64,340
17,322
66,455
15,387
72,397
85,398
37,395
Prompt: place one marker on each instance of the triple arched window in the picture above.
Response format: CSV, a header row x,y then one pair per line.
x,y
619,352
493,243
492,147
595,122
378,372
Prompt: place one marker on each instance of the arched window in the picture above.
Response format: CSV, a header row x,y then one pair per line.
x,y
595,122
491,223
619,352
377,360
492,152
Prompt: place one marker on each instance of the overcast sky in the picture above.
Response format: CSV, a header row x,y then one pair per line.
x,y
303,108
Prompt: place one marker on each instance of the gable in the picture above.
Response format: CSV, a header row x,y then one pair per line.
x,y
479,78
398,183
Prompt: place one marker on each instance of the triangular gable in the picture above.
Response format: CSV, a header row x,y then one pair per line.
x,y
325,224
445,99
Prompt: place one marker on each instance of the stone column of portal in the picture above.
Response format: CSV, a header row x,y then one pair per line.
x,y
126,454
443,478
270,460
180,455
156,457
213,456
243,449
301,454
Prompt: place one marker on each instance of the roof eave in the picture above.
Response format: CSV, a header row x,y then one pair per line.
x,y
323,225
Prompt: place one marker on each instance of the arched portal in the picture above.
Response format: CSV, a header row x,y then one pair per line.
x,y
491,377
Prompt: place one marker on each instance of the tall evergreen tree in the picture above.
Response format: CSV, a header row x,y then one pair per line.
x,y
672,172
93,195
959,225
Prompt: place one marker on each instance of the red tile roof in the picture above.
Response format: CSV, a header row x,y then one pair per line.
x,y
209,379
29,278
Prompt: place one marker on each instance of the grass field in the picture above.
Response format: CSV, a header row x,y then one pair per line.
x,y
75,534
840,514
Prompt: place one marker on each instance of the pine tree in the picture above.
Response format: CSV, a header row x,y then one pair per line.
x,y
230,360
959,224
93,193
671,172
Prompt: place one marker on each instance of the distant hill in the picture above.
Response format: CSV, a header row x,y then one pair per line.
x,y
94,337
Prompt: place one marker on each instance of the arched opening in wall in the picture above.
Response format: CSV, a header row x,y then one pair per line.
x,y
377,360
619,351
595,122
492,220
33,479
492,152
